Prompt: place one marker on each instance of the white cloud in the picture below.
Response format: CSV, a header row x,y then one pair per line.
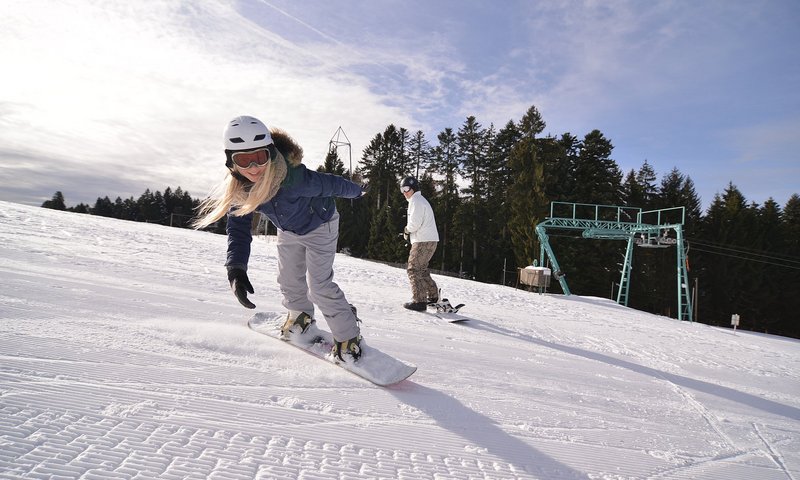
x,y
143,91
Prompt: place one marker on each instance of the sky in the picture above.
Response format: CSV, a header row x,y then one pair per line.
x,y
112,98
126,355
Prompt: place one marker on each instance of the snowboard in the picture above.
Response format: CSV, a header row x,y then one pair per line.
x,y
373,365
451,317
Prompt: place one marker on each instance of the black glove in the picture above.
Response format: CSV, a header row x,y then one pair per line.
x,y
240,285
364,189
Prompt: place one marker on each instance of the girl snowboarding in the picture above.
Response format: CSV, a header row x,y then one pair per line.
x,y
265,175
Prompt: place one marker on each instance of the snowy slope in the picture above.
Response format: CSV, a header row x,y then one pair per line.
x,y
124,355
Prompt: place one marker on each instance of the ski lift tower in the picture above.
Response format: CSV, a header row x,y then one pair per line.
x,y
337,141
607,222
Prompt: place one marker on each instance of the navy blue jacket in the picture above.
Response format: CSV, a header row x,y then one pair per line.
x,y
304,201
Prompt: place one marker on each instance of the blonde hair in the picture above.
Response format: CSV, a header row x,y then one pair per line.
x,y
236,197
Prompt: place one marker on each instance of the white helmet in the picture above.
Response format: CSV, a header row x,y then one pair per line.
x,y
246,133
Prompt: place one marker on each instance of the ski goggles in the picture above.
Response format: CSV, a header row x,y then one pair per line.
x,y
252,158
405,189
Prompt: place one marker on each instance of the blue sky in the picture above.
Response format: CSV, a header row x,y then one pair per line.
x,y
111,98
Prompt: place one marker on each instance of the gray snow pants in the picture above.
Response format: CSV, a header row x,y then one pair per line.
x,y
305,277
422,285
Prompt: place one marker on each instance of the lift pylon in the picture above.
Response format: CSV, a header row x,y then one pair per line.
x,y
339,139
621,223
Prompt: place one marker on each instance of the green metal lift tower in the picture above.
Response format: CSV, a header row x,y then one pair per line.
x,y
621,223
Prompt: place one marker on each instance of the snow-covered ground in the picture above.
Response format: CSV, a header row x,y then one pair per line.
x,y
123,354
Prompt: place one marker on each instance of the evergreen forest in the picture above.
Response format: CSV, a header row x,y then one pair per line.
x,y
490,186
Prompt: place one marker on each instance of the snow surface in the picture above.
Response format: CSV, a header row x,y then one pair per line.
x,y
125,355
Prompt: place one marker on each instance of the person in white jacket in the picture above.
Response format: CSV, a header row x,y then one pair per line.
x,y
421,231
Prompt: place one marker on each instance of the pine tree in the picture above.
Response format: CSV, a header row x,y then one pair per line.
x,y
103,207
639,188
499,249
598,178
472,141
383,162
333,164
527,196
56,202
560,179
444,161
499,174
632,191
677,190
419,153
646,178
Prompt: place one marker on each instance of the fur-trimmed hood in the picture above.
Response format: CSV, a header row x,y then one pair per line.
x,y
291,151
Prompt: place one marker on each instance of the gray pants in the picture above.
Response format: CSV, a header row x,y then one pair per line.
x,y
305,277
422,285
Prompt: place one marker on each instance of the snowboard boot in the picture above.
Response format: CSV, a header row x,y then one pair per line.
x,y
342,350
295,326
416,306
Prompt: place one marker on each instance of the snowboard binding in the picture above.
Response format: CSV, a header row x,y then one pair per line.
x,y
444,306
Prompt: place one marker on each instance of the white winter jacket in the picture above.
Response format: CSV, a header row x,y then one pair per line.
x,y
421,224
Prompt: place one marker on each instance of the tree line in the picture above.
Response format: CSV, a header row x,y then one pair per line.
x,y
489,188
173,207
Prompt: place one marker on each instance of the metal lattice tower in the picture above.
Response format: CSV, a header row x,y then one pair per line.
x,y
336,142
621,223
